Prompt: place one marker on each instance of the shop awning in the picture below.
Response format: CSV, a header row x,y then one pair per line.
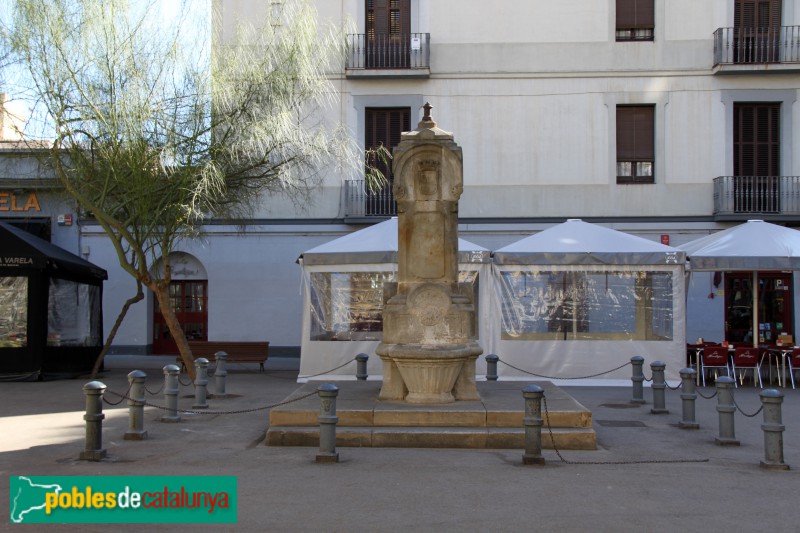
x,y
21,250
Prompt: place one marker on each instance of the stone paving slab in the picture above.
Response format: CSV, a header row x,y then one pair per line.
x,y
626,486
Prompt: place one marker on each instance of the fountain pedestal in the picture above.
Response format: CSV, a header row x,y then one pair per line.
x,y
429,332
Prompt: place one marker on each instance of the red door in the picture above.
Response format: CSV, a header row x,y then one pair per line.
x,y
189,300
774,306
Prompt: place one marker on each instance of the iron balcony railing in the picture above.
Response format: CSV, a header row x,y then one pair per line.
x,y
734,46
777,195
360,202
403,51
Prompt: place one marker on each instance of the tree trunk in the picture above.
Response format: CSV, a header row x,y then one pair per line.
x,y
113,333
161,291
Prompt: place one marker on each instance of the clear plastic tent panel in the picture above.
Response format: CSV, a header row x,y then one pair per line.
x,y
73,314
13,312
561,303
348,306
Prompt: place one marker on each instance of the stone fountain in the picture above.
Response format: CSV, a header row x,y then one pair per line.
x,y
429,340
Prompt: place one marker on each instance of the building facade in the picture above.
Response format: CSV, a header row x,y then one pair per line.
x,y
666,119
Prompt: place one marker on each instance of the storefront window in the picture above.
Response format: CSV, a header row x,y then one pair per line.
x,y
73,314
13,312
586,305
348,306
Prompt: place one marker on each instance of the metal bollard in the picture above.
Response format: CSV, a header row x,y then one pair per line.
x,y
94,416
637,362
327,423
773,427
726,409
200,383
361,366
220,374
688,397
491,367
533,425
136,401
659,387
171,394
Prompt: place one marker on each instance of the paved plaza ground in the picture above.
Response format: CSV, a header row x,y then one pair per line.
x,y
396,489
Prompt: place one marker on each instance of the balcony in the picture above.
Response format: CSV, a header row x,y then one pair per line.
x,y
742,50
361,204
388,56
767,197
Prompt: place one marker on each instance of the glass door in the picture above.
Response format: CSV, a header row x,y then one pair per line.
x,y
774,306
189,300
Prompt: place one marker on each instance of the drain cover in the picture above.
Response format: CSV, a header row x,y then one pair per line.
x,y
621,423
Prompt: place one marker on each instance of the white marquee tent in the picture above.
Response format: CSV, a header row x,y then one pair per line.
x,y
580,299
343,298
754,246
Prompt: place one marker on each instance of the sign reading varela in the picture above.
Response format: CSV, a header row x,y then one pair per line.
x,y
14,202
122,499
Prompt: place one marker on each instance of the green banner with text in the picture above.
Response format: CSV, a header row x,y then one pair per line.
x,y
122,499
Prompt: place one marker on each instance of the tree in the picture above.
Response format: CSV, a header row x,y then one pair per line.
x,y
153,134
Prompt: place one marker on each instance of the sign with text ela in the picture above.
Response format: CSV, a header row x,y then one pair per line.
x,y
122,499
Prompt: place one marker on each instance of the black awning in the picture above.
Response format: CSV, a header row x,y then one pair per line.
x,y
20,249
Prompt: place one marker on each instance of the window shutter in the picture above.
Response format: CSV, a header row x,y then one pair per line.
x,y
775,14
635,14
756,140
380,16
635,137
753,14
405,17
383,126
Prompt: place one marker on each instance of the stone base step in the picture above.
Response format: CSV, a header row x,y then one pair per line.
x,y
434,437
494,421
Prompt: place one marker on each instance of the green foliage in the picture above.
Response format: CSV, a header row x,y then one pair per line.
x,y
154,133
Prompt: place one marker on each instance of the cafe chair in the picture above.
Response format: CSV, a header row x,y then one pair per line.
x,y
794,364
714,357
744,359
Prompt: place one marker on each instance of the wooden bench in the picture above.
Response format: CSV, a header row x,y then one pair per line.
x,y
238,351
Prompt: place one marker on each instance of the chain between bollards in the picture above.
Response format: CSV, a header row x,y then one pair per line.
x,y
327,423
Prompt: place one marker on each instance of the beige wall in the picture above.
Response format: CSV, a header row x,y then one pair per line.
x,y
530,93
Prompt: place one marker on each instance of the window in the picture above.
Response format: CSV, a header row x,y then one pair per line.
x,y
383,126
348,306
635,144
13,311
635,20
388,28
189,300
756,157
563,303
756,139
757,30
